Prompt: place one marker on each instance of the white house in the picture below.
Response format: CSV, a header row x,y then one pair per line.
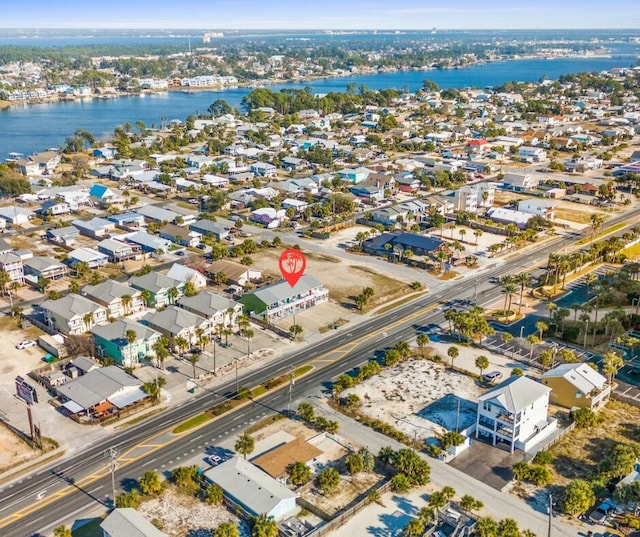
x,y
520,181
538,207
515,413
532,154
253,489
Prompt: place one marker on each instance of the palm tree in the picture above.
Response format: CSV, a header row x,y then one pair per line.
x,y
248,333
245,444
611,363
462,233
541,327
509,288
126,303
506,337
477,234
145,295
533,341
173,294
194,359
181,344
452,352
422,340
88,319
161,349
264,526
546,359
523,279
482,362
131,337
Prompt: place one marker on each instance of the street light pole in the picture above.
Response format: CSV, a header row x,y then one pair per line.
x,y
237,387
521,331
112,453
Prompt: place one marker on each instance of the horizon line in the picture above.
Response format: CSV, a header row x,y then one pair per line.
x,y
294,29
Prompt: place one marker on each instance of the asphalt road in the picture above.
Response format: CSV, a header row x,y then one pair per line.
x,y
64,489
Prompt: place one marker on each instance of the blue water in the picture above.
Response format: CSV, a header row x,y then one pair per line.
x,y
30,128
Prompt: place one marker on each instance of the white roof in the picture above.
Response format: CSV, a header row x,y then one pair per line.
x,y
255,489
582,376
516,393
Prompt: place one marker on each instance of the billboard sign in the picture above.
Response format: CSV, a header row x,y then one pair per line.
x,y
25,391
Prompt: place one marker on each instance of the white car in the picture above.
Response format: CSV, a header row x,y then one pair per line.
x,y
492,376
213,460
25,344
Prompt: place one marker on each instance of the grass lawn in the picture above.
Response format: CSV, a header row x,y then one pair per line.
x,y
578,453
632,252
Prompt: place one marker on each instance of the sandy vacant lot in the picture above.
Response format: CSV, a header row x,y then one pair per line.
x,y
419,397
183,516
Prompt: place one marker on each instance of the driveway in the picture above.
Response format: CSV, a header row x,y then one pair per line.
x,y
486,463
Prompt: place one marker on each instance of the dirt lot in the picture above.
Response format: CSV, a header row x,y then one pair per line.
x,y
580,451
349,488
343,281
183,516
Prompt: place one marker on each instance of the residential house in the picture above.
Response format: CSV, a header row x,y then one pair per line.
x,y
538,207
174,322
255,491
149,243
127,220
529,153
369,193
44,267
12,264
117,297
159,287
54,208
16,215
211,229
235,273
152,213
514,413
277,460
577,386
509,216
91,257
268,216
39,164
263,169
215,308
119,251
280,300
354,175
297,205
465,199
477,148
127,522
520,181
64,235
111,341
407,182
294,164
187,274
73,314
104,197
96,228
180,235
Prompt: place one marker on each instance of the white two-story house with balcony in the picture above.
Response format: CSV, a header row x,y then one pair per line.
x,y
514,414
73,314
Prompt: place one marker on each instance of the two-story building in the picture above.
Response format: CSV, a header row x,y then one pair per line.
x,y
215,308
180,235
577,386
162,289
538,207
12,264
280,300
119,298
174,322
111,341
73,314
514,413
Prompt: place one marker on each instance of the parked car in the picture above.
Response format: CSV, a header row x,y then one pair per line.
x,y
492,376
213,460
25,344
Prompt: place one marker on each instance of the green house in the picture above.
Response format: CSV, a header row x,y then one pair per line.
x,y
111,341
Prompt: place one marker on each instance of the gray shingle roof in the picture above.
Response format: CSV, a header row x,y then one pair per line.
x,y
282,290
117,331
153,281
173,319
516,393
71,305
207,303
109,290
98,385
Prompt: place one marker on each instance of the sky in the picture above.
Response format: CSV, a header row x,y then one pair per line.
x,y
322,14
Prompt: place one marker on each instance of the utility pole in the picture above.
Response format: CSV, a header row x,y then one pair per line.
x,y
550,515
237,387
112,454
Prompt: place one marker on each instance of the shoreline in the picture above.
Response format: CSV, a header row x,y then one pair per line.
x,y
254,84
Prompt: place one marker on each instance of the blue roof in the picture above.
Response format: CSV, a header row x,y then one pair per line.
x,y
98,191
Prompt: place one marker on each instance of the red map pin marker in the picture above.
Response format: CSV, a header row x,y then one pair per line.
x,y
292,264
